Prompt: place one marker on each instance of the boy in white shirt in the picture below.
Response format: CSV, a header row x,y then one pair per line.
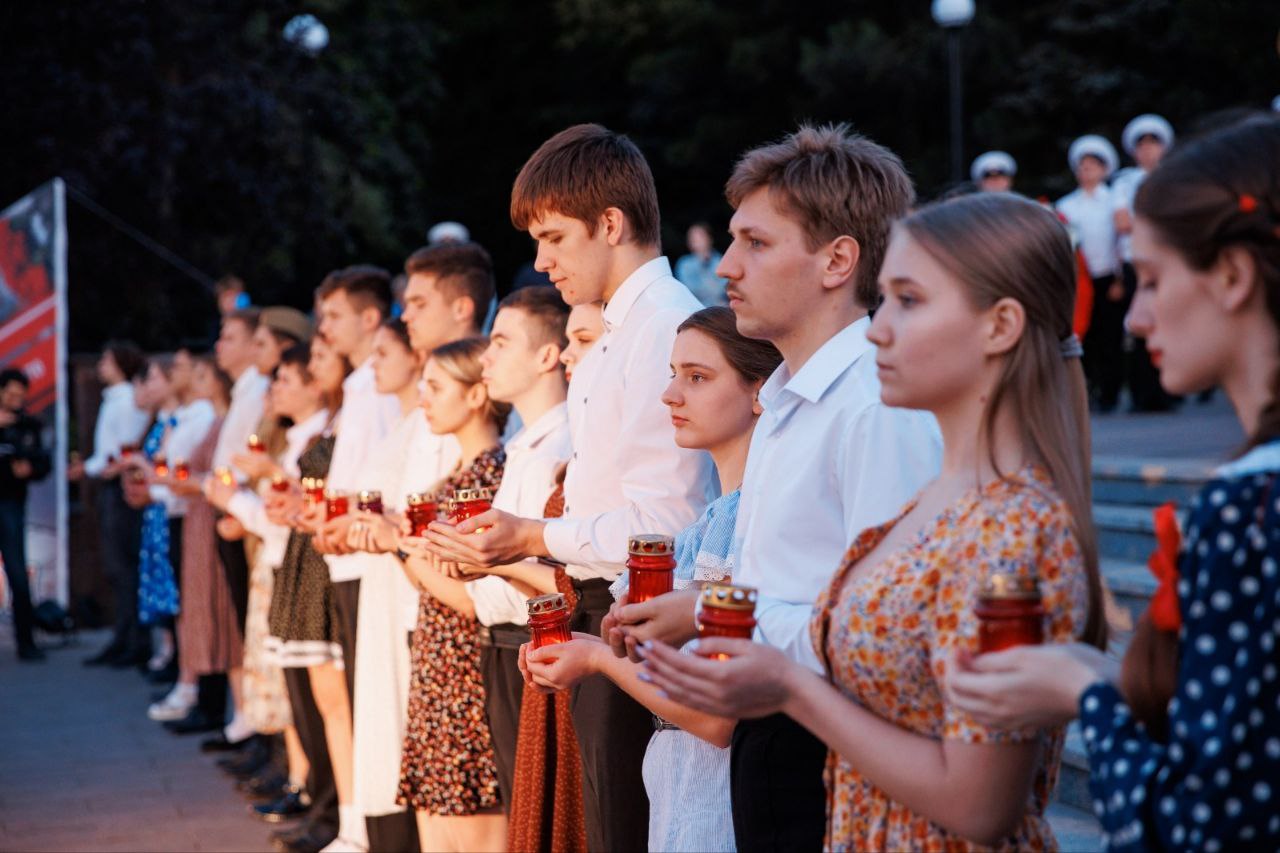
x,y
811,222
587,197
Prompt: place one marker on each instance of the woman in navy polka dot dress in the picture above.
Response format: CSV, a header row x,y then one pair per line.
x,y
1200,768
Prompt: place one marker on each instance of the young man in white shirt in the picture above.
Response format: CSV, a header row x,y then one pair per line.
x,y
353,303
235,355
811,221
120,422
521,367
587,197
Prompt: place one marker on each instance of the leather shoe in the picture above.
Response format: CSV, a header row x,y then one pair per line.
x,y
219,743
166,674
269,784
294,803
312,839
197,722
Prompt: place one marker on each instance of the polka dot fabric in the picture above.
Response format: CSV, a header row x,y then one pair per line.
x,y
1216,784
887,634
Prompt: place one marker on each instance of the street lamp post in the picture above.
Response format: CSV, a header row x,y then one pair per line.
x,y
953,16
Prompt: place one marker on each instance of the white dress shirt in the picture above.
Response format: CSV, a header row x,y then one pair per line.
x,y
250,510
528,479
248,399
367,417
1124,188
626,474
827,460
120,422
1091,216
179,442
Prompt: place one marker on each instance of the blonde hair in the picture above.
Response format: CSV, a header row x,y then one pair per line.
x,y
1001,245
460,359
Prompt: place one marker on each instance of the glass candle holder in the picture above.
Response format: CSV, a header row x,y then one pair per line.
x,y
725,610
1010,612
651,564
468,503
181,470
161,467
421,511
127,450
313,488
369,501
279,483
336,504
549,619
224,475
256,444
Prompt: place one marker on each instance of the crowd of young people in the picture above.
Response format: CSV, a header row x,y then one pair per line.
x,y
890,411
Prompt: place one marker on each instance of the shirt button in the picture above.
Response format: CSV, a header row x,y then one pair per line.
x,y
575,454
584,401
604,348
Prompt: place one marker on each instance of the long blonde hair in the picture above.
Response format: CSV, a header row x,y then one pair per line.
x,y
1001,245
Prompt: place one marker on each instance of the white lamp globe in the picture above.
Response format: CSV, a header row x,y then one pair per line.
x,y
307,33
952,13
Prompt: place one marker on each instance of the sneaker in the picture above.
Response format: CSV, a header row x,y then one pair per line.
x,y
175,706
342,845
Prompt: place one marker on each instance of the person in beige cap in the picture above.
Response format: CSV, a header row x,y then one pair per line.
x,y
279,327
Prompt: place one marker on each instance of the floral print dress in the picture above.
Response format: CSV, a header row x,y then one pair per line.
x,y
448,766
887,634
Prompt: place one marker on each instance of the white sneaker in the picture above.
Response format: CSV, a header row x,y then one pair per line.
x,y
175,706
342,845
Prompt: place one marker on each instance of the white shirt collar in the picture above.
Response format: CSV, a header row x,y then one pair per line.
x,y
360,376
823,368
245,381
311,426
531,434
119,390
617,308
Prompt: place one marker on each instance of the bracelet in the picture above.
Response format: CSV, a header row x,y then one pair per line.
x,y
403,555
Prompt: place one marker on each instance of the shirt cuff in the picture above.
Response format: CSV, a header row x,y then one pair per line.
x,y
558,536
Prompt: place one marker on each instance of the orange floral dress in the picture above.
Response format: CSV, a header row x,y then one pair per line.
x,y
887,634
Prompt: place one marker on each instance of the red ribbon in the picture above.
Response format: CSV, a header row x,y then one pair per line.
x,y
1247,203
1163,563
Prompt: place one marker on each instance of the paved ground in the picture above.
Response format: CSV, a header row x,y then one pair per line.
x,y
82,768
1200,431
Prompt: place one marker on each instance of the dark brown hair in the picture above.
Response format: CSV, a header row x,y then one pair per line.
x,y
460,270
546,313
248,316
127,356
224,380
753,360
366,286
1001,245
399,330
835,183
1218,192
581,172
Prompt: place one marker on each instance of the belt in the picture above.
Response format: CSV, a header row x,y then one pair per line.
x,y
661,725
504,636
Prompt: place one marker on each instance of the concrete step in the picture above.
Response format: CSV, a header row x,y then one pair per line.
x,y
1077,830
1130,582
1125,532
1147,482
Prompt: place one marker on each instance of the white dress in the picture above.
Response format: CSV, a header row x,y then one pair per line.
x,y
410,459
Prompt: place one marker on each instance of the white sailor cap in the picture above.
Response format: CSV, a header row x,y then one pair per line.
x,y
993,161
448,232
1096,146
1148,124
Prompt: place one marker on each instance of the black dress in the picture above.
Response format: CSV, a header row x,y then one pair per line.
x,y
303,620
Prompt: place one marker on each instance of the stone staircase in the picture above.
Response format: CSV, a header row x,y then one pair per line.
x,y
1125,490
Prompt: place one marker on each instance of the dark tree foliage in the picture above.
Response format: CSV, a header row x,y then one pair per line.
x,y
198,124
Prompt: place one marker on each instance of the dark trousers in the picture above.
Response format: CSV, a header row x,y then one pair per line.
x,y
310,727
120,527
1144,379
503,692
393,833
235,563
1104,362
175,562
346,598
613,733
13,550
775,785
